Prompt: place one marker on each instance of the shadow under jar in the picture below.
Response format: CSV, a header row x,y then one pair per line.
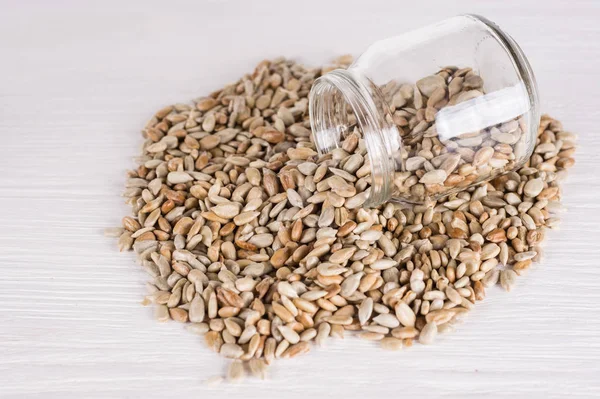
x,y
431,112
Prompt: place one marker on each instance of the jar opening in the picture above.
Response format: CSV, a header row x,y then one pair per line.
x,y
330,98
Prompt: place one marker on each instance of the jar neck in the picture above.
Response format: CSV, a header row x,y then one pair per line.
x,y
330,98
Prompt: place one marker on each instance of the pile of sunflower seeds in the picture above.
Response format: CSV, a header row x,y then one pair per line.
x,y
261,245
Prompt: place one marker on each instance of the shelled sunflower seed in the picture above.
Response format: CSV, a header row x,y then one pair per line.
x,y
262,246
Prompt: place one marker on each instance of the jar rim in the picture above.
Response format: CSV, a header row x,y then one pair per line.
x,y
331,93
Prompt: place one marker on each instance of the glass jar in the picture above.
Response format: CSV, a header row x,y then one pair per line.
x,y
435,110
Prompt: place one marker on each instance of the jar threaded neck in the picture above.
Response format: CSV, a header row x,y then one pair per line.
x,y
331,95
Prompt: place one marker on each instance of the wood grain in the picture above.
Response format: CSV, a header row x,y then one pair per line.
x,y
78,82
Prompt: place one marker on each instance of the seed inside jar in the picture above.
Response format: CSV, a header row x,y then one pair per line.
x,y
436,154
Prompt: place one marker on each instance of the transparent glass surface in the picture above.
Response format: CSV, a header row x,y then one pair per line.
x,y
438,109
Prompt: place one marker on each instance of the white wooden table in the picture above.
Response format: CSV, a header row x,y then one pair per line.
x,y
78,81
